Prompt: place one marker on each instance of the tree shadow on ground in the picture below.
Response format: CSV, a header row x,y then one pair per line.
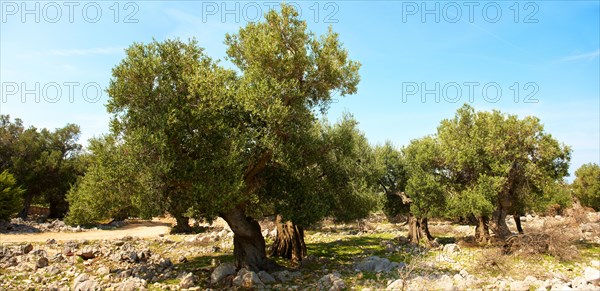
x,y
200,266
17,228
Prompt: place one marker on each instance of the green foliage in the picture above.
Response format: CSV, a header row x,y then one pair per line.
x,y
10,196
587,185
393,176
216,139
114,186
46,163
424,185
493,160
336,179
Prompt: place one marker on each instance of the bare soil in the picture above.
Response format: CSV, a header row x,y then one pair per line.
x,y
141,229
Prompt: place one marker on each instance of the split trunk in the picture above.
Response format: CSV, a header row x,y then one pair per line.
x,y
418,229
289,242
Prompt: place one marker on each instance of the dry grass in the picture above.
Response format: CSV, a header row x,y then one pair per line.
x,y
554,238
493,260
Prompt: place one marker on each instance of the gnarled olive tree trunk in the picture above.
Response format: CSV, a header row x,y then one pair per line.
x,y
482,233
248,243
289,242
183,224
418,229
498,224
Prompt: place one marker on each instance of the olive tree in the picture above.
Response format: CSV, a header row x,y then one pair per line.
x,y
412,184
497,164
393,175
587,185
424,186
213,135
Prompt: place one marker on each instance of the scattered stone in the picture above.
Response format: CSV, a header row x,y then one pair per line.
x,y
84,282
266,277
247,279
165,263
50,241
187,281
591,274
221,272
144,255
58,258
182,259
53,270
132,284
519,286
103,270
560,287
332,282
377,265
451,248
579,283
27,248
41,262
87,253
286,276
444,283
396,285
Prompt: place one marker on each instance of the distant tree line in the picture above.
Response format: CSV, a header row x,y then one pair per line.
x,y
44,163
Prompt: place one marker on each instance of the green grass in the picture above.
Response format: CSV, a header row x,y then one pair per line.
x,y
588,248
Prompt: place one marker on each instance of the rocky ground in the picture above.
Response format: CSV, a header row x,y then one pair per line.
x,y
20,226
369,255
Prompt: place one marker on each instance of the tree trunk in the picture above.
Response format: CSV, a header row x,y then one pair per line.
x,y
26,203
289,242
248,242
517,218
58,207
498,225
425,229
418,230
183,224
482,234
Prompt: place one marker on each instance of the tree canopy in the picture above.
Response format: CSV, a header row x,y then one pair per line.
x,y
497,164
45,163
244,143
10,196
587,185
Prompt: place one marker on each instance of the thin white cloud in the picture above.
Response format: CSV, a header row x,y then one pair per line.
x,y
585,56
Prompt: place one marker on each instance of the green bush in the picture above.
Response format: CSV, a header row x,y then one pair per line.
x,y
10,196
587,185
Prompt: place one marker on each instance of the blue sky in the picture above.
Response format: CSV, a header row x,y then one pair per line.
x,y
547,52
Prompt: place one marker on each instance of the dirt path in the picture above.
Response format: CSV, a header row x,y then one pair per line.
x,y
138,229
